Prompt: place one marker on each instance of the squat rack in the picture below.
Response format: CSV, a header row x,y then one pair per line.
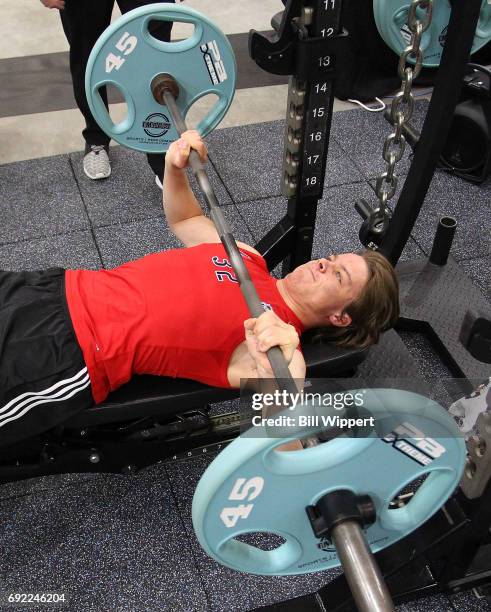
x,y
309,39
451,551
311,45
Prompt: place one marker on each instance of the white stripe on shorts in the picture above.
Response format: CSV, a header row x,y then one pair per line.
x,y
60,391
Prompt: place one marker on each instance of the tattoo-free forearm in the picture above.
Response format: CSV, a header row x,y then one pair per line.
x,y
179,200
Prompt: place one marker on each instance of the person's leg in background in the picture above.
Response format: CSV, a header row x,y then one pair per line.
x,y
83,23
161,30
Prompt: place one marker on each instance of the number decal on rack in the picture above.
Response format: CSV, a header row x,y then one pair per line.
x,y
316,136
326,32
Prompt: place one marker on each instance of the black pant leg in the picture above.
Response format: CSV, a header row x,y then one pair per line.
x,y
162,31
83,22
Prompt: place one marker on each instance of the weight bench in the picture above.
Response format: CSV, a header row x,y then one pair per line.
x,y
150,419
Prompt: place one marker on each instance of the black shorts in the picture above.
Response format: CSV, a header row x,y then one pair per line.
x,y
43,377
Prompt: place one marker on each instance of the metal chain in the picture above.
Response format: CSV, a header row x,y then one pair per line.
x,y
402,106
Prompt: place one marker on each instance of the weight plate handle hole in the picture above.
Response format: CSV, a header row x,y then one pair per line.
x,y
182,30
119,116
118,107
259,560
200,109
319,458
185,34
263,540
404,496
407,516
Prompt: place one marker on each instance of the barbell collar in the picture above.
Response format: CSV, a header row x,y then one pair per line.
x,y
360,568
275,356
162,83
338,507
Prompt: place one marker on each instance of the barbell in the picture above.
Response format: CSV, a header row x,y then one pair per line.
x,y
155,77
252,487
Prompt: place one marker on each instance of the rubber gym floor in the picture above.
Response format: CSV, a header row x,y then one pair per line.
x,y
115,542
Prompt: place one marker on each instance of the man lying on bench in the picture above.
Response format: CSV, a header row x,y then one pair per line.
x,y
69,338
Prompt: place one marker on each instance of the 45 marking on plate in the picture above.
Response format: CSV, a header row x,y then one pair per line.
x,y
126,44
243,490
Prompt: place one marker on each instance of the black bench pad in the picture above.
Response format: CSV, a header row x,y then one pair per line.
x,y
150,395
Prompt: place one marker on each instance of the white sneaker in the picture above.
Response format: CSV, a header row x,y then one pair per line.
x,y
158,182
96,162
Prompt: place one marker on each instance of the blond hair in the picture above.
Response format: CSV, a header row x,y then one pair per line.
x,y
375,310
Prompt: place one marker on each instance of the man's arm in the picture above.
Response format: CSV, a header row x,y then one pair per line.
x,y
182,210
250,360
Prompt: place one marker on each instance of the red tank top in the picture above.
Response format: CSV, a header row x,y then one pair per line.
x,y
178,313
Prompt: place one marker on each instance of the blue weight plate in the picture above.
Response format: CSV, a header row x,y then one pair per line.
x,y
391,20
252,488
127,56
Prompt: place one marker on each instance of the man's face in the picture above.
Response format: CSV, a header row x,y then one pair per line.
x,y
328,285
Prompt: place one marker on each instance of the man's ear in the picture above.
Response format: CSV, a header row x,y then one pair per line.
x,y
340,319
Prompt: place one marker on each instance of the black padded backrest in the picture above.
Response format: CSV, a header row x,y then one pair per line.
x,y
329,360
158,395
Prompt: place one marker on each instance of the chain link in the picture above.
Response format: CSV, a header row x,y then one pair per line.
x,y
402,106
